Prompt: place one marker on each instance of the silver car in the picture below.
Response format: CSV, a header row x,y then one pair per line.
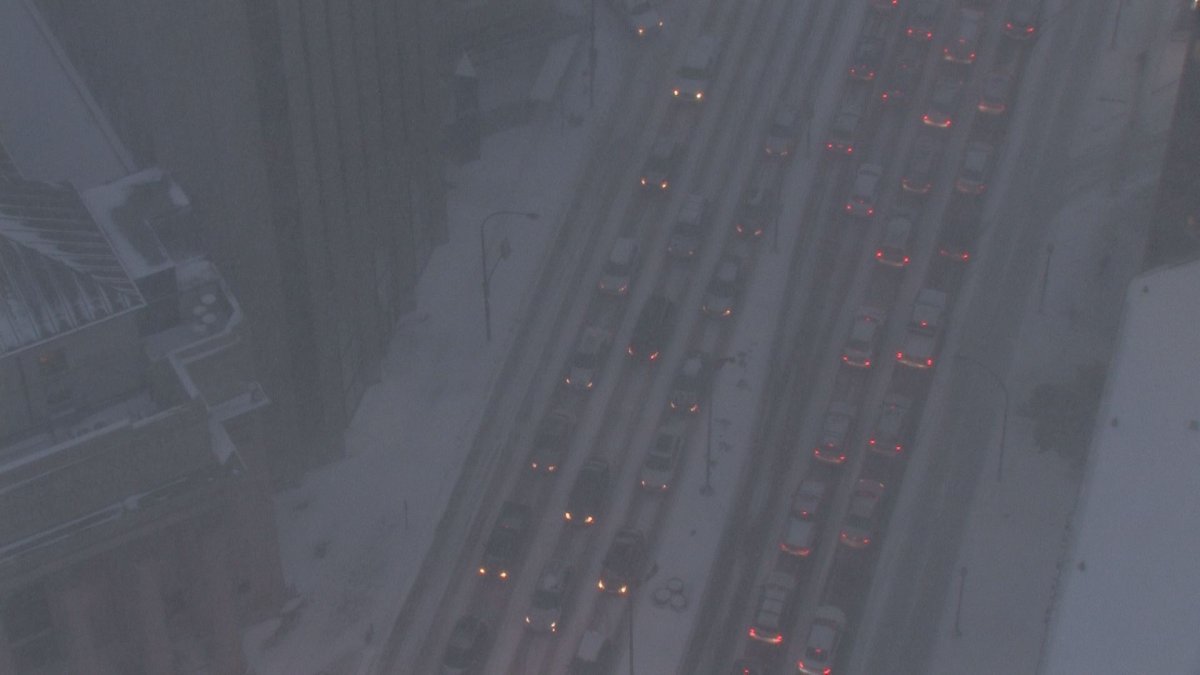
x,y
620,268
545,608
658,470
724,287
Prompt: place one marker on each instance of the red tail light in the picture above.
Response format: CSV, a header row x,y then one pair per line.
x,y
654,356
879,254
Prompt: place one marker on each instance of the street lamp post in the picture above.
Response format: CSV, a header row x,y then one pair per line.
x,y
707,488
1004,423
487,277
633,587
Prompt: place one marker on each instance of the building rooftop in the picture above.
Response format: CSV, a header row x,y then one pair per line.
x,y
1129,595
58,270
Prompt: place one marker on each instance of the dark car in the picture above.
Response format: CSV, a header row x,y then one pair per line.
x,y
808,501
653,328
965,38
640,16
943,103
892,428
922,164
843,134
688,231
901,81
587,359
624,563
504,544
922,19
589,493
550,441
758,206
867,56
976,169
783,132
924,327
661,165
467,646
996,94
862,517
893,250
1022,20
724,287
958,234
691,383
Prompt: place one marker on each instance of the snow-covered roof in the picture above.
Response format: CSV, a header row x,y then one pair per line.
x,y
1130,586
127,210
58,271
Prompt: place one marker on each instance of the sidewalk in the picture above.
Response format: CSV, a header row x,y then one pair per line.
x,y
998,601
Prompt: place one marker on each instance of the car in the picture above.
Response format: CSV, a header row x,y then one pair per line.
x,y
892,428
589,493
943,102
868,54
690,224
958,233
587,359
783,132
924,325
799,537
658,469
864,191
843,134
863,340
831,445
506,540
758,206
641,17
862,517
922,164
808,501
661,165
996,93
747,666
620,267
922,19
653,328
594,656
901,81
893,250
624,562
551,440
724,287
976,168
1022,20
467,646
773,609
820,647
964,38
691,383
545,608
698,67
884,5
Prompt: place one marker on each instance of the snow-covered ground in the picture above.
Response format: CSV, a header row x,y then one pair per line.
x,y
353,533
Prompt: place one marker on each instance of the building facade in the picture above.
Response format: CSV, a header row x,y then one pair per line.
x,y
307,135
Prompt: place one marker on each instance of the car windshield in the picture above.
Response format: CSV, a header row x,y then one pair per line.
x,y
693,73
722,288
545,599
613,268
585,359
858,345
658,462
781,129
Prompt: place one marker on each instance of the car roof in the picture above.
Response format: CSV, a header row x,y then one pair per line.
x,y
664,146
623,250
592,340
590,645
898,227
729,269
693,207
554,575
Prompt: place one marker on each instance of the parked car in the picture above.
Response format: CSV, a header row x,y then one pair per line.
x,y
831,445
1022,20
759,204
943,102
922,164
619,269
862,518
589,493
922,19
929,310
924,326
843,134
545,608
864,191
892,428
964,39
868,54
467,647
808,501
690,224
506,540
893,250
821,645
863,340
773,609
783,132
691,383
996,93
658,469
653,328
697,70
661,165
551,440
588,358
641,17
724,287
799,537
976,169
624,563
958,233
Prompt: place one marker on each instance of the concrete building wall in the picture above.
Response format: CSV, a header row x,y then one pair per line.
x,y
305,132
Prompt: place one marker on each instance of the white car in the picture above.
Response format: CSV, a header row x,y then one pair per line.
x,y
658,470
697,71
545,608
799,537
862,518
824,636
864,191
